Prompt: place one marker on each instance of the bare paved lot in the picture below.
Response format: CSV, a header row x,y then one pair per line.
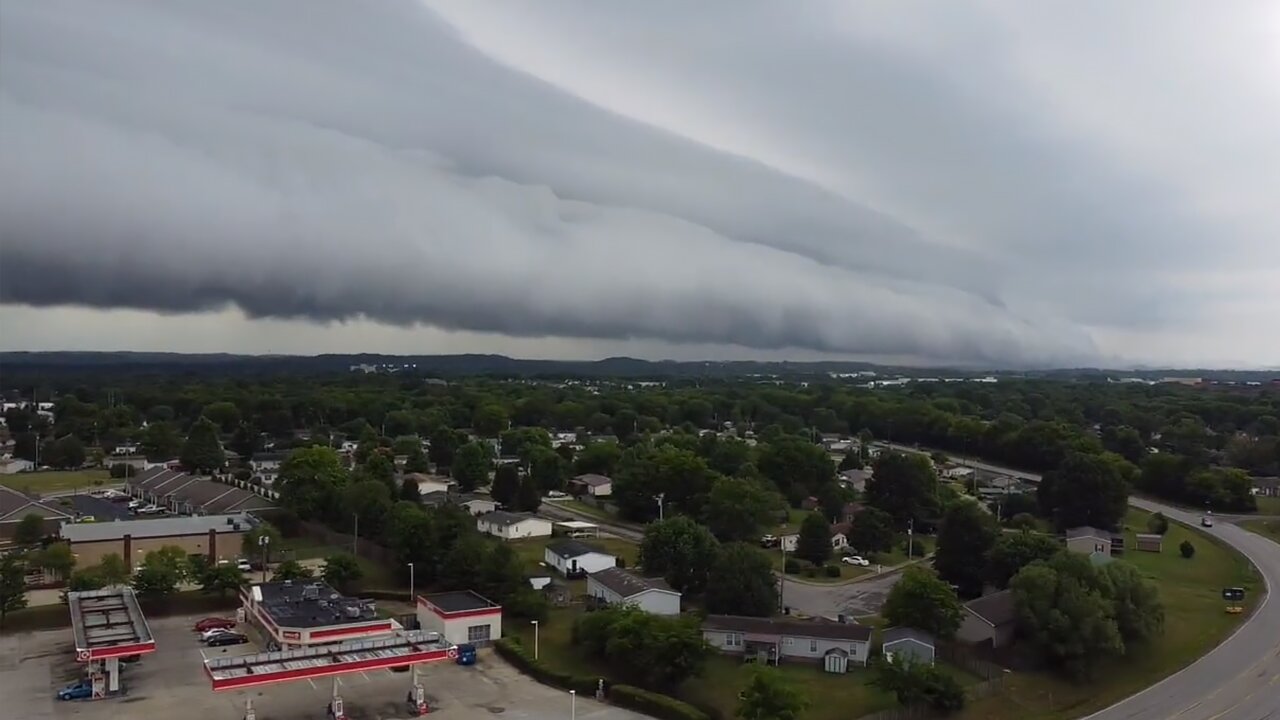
x,y
170,685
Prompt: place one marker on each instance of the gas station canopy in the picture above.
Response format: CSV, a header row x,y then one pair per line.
x,y
108,623
404,648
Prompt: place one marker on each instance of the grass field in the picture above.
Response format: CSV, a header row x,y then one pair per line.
x,y
1266,528
1268,505
532,551
833,697
52,481
586,509
1195,622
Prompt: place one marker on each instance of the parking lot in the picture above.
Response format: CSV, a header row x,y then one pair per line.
x,y
171,684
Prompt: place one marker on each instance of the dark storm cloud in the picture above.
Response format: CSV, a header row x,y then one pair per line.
x,y
331,160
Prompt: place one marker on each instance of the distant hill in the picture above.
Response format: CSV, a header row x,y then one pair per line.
x,y
18,366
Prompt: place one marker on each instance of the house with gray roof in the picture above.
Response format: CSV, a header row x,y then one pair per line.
x,y
615,586
14,506
511,526
909,643
989,619
833,645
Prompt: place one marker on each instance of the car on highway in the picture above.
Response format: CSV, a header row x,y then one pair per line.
x,y
211,623
226,637
76,691
855,560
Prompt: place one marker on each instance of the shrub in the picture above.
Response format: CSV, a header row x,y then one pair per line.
x,y
1158,524
513,652
1187,549
832,571
122,470
811,572
654,704
791,566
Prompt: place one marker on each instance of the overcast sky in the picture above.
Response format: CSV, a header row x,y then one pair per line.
x,y
979,183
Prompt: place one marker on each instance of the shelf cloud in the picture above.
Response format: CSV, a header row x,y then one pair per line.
x,y
958,185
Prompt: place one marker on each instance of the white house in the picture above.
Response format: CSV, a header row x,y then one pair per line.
x,y
15,465
616,586
460,617
266,466
478,504
431,483
592,484
833,645
511,526
904,642
574,558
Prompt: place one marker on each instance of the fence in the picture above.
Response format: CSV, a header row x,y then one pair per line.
x,y
966,659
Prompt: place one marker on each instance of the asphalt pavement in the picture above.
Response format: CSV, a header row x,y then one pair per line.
x,y
101,510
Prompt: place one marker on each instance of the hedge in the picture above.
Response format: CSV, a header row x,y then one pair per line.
x,y
654,704
515,653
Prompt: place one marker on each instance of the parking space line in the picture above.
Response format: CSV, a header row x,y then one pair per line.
x,y
312,684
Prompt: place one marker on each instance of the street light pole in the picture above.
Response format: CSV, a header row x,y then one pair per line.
x,y
263,542
659,497
911,529
412,598
573,704
535,638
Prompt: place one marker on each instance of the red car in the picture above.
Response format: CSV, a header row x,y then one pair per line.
x,y
212,623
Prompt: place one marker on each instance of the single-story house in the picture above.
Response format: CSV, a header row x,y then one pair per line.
x,y
905,642
431,483
833,645
989,619
477,504
1088,540
856,479
13,466
616,586
960,472
574,558
1266,486
1149,542
591,484
840,535
266,466
510,526
14,506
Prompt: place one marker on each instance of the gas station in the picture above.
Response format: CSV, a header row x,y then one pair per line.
x,y
404,648
107,625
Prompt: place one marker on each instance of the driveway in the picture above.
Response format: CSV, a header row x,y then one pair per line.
x,y
861,597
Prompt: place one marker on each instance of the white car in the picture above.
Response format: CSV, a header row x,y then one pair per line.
x,y
109,494
135,504
243,565
210,634
855,560
150,510
557,495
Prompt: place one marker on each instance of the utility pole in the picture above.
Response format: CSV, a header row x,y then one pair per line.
x,y
659,497
412,598
263,542
911,530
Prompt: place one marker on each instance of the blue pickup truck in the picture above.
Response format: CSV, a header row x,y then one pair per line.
x,y
467,654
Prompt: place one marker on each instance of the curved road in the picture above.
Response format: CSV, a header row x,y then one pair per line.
x,y
1239,679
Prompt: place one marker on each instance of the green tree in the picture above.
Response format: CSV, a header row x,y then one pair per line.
x,y
57,559
251,542
311,482
291,570
161,572
489,420
1138,610
89,578
221,579
471,466
417,462
1084,490
30,530
872,531
113,569
1158,524
921,600
741,582
738,508
600,458
1014,551
409,491
528,494
678,475
906,487
506,485
814,544
1064,609
203,452
342,571
370,501
66,452
547,468
460,567
161,441
915,683
966,537
224,414
654,651
796,467
444,444
769,695
681,551
13,584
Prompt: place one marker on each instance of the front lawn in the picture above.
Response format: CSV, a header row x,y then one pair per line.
x,y
1265,528
832,697
1268,505
1195,622
52,481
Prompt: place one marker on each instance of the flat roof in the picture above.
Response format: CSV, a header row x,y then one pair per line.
x,y
578,525
311,604
232,673
108,623
155,527
459,601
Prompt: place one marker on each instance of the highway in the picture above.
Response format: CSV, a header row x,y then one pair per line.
x,y
1238,680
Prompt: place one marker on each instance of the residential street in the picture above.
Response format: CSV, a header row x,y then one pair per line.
x,y
862,597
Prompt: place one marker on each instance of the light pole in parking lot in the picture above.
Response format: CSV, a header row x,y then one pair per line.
x,y
535,638
263,541
573,704
412,598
